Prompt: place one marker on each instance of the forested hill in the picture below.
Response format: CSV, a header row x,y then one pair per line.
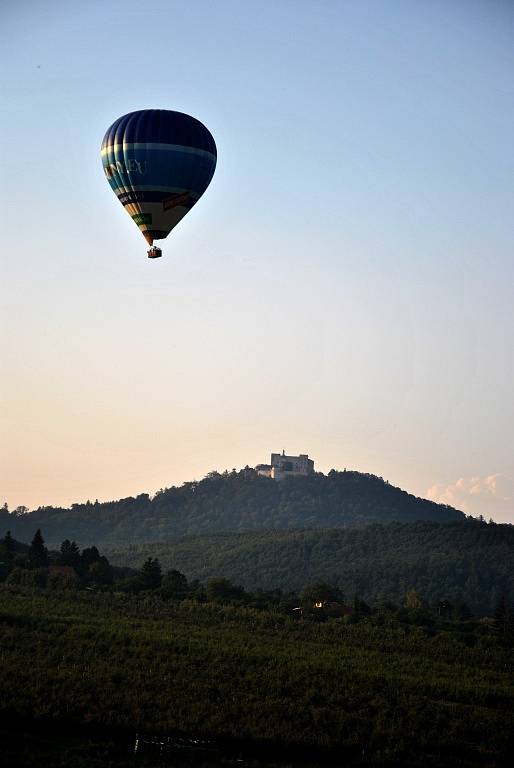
x,y
230,502
470,562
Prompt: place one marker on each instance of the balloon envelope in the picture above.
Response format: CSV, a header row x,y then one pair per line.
x,y
158,163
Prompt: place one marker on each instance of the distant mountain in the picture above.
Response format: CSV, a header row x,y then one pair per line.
x,y
470,561
230,502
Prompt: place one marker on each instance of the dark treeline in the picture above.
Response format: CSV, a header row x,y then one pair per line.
x,y
70,569
230,501
470,561
464,562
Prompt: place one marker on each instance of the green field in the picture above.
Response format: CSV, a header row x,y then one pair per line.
x,y
369,694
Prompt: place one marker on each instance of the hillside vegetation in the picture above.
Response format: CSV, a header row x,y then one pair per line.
x,y
378,692
236,502
469,561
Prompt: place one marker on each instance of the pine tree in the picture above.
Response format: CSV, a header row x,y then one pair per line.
x,y
38,553
70,554
360,609
151,574
9,543
504,621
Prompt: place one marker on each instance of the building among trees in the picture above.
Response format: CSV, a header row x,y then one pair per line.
x,y
282,466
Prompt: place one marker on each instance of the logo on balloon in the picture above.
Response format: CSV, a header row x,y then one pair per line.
x,y
131,166
136,166
182,198
142,218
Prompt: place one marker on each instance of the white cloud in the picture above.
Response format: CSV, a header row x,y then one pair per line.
x,y
490,496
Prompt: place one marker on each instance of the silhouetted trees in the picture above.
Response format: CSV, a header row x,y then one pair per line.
x,y
151,574
174,585
70,554
38,553
504,621
66,569
8,543
220,590
468,563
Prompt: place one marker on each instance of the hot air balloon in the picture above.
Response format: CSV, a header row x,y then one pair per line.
x,y
158,163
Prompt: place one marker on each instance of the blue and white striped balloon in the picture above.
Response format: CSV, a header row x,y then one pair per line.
x,y
158,163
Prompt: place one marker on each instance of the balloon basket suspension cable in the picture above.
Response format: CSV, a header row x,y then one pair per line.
x,y
154,252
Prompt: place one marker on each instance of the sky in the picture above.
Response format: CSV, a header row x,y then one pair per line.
x,y
344,288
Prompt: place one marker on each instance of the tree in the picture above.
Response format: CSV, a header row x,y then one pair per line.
x,y
7,553
221,590
90,555
65,578
151,574
100,572
174,585
8,543
70,554
504,621
38,553
360,609
413,601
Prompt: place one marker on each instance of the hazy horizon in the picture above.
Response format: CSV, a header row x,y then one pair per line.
x,y
343,289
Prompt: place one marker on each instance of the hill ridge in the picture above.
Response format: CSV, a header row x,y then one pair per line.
x,y
237,501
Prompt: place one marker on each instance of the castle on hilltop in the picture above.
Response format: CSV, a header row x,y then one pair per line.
x,y
282,466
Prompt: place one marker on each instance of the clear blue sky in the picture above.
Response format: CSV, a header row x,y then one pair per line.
x,y
344,288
